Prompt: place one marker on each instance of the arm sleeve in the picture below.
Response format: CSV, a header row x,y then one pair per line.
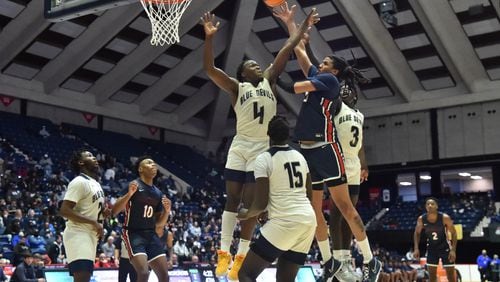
x,y
263,165
76,191
313,70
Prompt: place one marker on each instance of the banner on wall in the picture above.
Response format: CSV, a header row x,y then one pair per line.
x,y
88,117
153,130
374,193
6,100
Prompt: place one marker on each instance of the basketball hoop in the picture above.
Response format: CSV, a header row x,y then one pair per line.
x,y
165,16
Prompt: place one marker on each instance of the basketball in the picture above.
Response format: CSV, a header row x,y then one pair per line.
x,y
273,3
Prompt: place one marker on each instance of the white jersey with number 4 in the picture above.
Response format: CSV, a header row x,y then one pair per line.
x,y
287,172
254,108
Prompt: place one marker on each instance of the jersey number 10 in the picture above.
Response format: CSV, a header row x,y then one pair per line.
x,y
148,211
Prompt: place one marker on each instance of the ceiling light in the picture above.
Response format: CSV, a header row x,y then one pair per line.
x,y
476,177
387,9
425,177
405,183
464,174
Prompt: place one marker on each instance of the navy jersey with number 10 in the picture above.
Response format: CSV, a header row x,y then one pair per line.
x,y
141,208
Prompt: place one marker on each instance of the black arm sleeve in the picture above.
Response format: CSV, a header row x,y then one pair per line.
x,y
311,56
287,86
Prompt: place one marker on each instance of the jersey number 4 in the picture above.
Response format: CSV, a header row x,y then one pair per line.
x,y
258,112
293,174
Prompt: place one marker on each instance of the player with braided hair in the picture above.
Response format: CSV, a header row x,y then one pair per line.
x,y
315,131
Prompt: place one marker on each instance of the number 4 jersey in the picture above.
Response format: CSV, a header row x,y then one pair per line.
x,y
287,172
349,126
141,208
254,108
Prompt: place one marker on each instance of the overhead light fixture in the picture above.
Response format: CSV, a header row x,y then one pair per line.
x,y
476,177
405,183
387,9
464,174
425,177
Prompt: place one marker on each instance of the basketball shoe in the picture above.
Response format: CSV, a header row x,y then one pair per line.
x,y
233,273
223,262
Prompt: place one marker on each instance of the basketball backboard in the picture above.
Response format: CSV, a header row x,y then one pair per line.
x,y
62,10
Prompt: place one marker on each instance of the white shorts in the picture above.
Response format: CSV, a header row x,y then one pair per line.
x,y
290,236
242,153
80,245
352,170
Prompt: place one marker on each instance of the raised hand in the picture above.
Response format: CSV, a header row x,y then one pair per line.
x,y
209,25
284,13
132,187
166,203
312,18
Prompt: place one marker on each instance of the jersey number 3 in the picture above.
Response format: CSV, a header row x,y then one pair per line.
x,y
293,174
355,136
258,112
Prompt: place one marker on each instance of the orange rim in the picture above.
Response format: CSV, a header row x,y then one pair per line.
x,y
164,1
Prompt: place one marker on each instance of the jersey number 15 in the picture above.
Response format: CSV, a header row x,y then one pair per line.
x,y
294,176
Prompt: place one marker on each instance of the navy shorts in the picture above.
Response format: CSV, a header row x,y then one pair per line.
x,y
433,257
270,253
81,265
326,165
143,242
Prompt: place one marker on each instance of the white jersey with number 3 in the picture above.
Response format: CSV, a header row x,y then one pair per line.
x,y
254,108
349,126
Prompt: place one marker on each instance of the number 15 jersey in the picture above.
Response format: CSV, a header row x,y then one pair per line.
x,y
287,172
142,206
254,108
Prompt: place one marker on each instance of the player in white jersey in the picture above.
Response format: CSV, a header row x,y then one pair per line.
x,y
283,188
349,125
254,102
83,206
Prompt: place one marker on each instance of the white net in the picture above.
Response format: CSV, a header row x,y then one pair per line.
x,y
165,16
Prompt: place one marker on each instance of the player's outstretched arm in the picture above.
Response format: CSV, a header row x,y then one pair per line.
x,y
123,200
218,76
287,16
416,237
448,223
273,71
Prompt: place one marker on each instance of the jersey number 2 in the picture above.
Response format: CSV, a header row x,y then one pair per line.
x,y
355,135
293,174
434,236
258,112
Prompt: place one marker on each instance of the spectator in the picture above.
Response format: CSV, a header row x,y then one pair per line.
x,y
483,262
108,248
56,251
37,243
181,250
43,132
3,277
25,271
102,261
495,268
39,266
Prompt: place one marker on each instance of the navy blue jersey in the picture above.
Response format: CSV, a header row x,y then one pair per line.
x,y
315,121
141,208
435,233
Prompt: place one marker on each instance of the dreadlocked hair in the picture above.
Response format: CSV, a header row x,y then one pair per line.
x,y
348,73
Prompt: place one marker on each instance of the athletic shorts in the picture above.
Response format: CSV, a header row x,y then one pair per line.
x,y
80,245
143,242
326,165
353,170
433,257
290,240
241,159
